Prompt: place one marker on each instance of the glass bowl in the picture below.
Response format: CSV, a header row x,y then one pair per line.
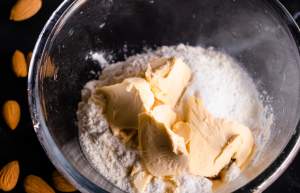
x,y
259,34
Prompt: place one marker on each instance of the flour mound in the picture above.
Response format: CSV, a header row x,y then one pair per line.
x,y
225,88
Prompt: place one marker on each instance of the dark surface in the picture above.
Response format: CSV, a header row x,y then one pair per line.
x,y
22,144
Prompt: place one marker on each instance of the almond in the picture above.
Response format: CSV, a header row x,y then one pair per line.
x,y
19,64
49,69
61,184
11,113
24,9
35,184
28,59
9,176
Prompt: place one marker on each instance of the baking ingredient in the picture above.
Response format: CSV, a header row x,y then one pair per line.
x,y
35,184
164,114
19,64
28,59
11,113
61,184
215,142
113,159
162,151
216,78
126,100
24,9
49,69
169,80
183,129
9,175
140,178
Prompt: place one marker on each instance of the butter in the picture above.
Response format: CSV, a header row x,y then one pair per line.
x,y
126,136
168,81
164,114
140,178
214,142
125,100
246,148
183,129
163,152
171,184
194,142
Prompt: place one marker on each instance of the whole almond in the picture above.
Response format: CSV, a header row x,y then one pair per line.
x,y
61,184
24,9
19,64
9,175
11,113
28,59
35,184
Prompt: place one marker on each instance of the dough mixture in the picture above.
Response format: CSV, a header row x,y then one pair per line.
x,y
172,119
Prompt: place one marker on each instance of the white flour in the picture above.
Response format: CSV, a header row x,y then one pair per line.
x,y
226,89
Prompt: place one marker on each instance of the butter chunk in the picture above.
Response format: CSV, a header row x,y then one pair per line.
x,y
215,142
163,152
125,100
140,178
183,129
164,114
168,81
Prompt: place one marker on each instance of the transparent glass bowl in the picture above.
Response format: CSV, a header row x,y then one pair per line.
x,y
260,34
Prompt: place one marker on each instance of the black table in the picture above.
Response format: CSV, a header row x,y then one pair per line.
x,y
22,144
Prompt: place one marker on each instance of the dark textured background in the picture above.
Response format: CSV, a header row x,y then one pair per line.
x,y
22,144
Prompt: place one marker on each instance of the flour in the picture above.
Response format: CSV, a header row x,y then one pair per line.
x,y
226,89
98,57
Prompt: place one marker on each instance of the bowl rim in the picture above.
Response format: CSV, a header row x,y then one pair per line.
x,y
258,184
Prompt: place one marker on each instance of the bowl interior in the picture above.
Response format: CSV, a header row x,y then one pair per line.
x,y
254,32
